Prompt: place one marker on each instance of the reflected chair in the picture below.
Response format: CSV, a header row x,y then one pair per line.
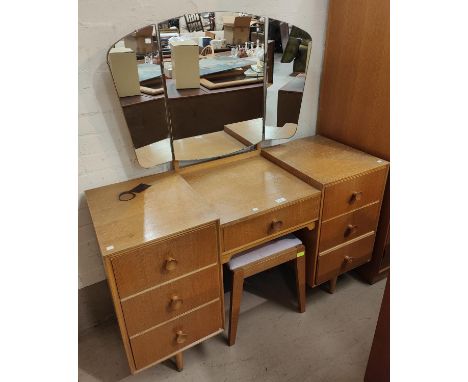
x,y
194,22
259,259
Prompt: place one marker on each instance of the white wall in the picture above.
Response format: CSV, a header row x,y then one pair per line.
x,y
105,149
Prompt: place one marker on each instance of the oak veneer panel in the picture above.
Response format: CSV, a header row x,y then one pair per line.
x,y
162,304
169,206
322,161
339,198
260,227
156,344
333,262
235,189
346,227
354,106
145,267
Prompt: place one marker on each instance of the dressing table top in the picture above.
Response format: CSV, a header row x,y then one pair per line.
x,y
167,207
321,161
246,187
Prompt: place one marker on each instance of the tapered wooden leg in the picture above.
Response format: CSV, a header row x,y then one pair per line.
x,y
236,296
179,360
300,281
332,285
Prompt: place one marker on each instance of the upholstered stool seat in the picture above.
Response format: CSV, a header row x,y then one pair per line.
x,y
258,259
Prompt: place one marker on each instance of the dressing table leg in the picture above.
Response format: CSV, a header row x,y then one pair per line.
x,y
299,266
179,360
332,284
236,296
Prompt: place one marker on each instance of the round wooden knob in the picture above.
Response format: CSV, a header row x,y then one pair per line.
x,y
176,302
171,263
356,196
276,225
350,229
181,337
348,259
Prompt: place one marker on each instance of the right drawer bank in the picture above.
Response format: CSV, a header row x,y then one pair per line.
x,y
352,184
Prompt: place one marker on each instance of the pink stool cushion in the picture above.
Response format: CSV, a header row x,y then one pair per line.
x,y
263,251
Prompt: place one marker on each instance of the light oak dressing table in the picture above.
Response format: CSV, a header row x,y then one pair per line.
x,y
163,250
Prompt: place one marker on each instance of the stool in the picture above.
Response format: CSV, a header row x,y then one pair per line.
x,y
258,259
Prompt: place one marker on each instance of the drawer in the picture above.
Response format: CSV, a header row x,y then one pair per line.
x,y
340,260
353,193
170,300
167,339
151,265
271,223
350,226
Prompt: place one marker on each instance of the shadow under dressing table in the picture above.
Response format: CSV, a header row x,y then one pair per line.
x,y
163,250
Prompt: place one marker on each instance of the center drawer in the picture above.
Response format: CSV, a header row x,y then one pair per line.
x,y
170,300
156,263
270,224
168,338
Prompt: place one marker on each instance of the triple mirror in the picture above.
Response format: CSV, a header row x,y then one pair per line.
x,y
207,85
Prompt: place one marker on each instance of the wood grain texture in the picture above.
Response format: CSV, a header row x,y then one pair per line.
x,y
379,266
341,259
154,153
119,313
170,300
346,227
152,215
148,266
322,161
234,189
234,309
250,132
282,219
354,105
176,335
206,146
353,193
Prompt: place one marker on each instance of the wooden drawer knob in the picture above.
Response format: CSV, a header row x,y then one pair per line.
x,y
171,264
181,337
350,229
176,302
356,196
348,260
276,225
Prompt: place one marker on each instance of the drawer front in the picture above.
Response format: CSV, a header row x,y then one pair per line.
x,y
170,300
350,226
353,193
271,223
149,266
159,343
343,259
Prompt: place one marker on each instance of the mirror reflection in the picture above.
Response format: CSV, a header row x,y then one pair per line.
x,y
213,68
289,48
206,85
134,62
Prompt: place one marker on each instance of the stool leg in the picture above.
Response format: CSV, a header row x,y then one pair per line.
x,y
236,296
299,267
332,285
179,360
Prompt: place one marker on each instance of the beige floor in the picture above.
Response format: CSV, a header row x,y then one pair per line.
x,y
329,342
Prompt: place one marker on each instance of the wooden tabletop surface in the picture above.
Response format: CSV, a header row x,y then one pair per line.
x,y
246,187
169,206
325,160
